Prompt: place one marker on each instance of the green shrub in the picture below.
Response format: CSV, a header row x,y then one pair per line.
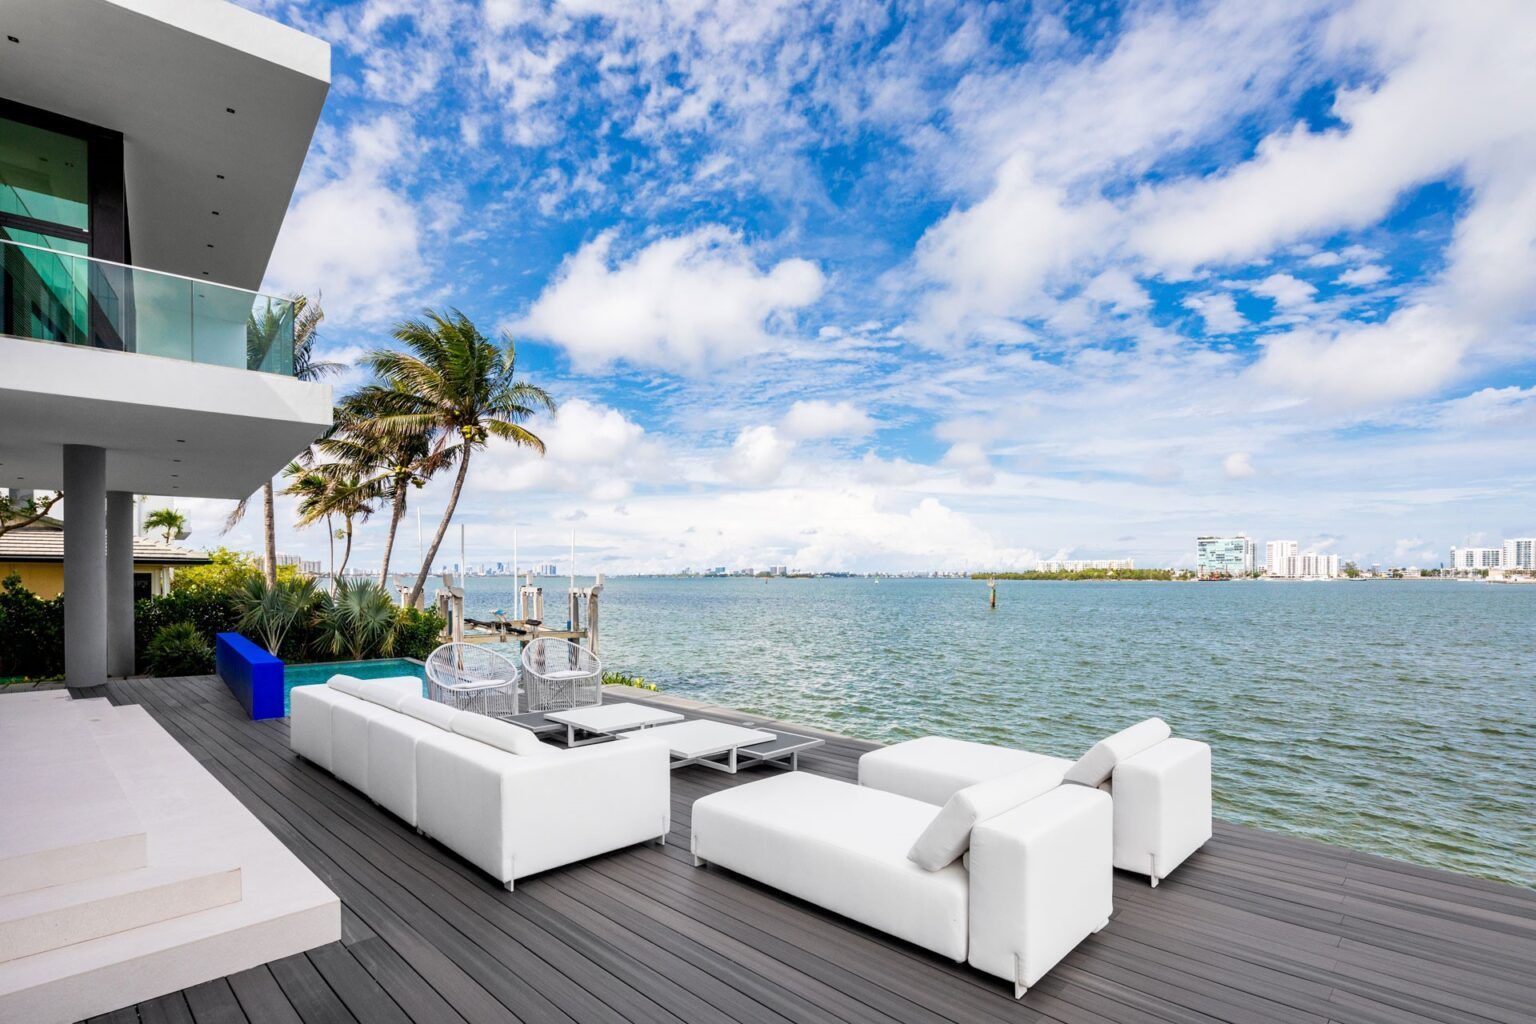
x,y
179,650
269,614
625,679
31,632
358,620
210,612
417,633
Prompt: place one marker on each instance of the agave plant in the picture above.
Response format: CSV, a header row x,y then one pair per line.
x,y
271,611
357,620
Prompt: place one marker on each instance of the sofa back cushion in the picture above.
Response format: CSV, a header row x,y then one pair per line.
x,y
1096,766
384,692
429,711
501,735
346,684
949,834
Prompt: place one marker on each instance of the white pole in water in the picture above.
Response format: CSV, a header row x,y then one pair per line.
x,y
570,622
463,564
514,554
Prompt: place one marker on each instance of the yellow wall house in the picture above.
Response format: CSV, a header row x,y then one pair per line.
x,y
36,554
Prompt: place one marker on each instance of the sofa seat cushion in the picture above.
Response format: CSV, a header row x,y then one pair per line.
x,y
934,768
949,834
1095,767
501,735
839,846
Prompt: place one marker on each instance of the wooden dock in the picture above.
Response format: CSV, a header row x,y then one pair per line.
x,y
1256,928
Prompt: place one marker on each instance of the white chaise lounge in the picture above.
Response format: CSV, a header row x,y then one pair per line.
x,y
1010,875
486,789
1161,785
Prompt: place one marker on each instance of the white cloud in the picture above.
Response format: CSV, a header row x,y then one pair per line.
x,y
590,450
757,457
1363,276
686,303
353,236
1289,292
1238,466
1219,312
818,418
1413,352
970,461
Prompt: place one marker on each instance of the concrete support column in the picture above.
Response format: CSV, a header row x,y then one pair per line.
x,y
85,565
119,583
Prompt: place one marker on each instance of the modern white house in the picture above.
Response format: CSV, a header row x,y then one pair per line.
x,y
148,153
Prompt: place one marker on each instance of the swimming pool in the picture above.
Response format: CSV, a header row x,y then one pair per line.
x,y
377,668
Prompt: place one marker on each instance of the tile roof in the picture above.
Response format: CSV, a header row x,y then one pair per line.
x,y
41,543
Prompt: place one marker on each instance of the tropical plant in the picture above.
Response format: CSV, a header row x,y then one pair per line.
x,y
271,612
310,487
625,679
307,316
342,494
358,620
168,520
16,514
179,650
31,632
227,571
418,632
388,463
459,388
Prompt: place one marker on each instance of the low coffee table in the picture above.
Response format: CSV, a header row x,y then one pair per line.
x,y
703,742
605,720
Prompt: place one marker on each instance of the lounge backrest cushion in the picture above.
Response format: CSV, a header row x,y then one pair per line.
x,y
429,711
346,684
501,735
949,834
383,692
1096,766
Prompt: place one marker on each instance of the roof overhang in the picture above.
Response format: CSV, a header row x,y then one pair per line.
x,y
168,426
165,73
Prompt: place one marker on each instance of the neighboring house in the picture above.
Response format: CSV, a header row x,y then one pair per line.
x,y
36,554
148,154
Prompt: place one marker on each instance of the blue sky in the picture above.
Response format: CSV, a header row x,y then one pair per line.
x,y
857,286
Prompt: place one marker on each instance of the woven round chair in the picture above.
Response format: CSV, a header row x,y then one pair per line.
x,y
559,675
473,677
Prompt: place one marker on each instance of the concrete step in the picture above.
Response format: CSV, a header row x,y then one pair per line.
x,y
61,915
67,818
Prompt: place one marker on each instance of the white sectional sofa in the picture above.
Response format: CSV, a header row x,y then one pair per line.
x,y
486,789
1010,875
1161,785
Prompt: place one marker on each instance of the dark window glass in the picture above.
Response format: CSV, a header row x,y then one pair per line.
x,y
43,175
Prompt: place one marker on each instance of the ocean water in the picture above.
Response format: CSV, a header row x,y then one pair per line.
x,y
1395,717
314,673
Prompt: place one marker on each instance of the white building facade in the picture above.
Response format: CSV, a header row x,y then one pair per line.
x,y
1223,557
1520,553
1474,559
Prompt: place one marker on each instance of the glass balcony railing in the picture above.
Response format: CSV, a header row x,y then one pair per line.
x,y
49,295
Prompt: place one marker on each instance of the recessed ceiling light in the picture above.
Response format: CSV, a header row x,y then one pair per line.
x,y
208,244
205,273
215,213
175,460
175,476
13,39
229,110
181,440
219,176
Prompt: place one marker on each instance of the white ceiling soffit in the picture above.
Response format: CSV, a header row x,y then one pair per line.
x,y
165,73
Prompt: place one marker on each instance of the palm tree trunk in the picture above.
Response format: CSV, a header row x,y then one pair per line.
x,y
269,531
346,552
396,513
330,534
442,528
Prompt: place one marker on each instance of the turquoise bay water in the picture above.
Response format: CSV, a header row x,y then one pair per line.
x,y
1396,717
378,668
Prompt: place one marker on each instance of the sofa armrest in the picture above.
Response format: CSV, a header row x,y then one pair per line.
x,y
1041,882
309,722
1162,806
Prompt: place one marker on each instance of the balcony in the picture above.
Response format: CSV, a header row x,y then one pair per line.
x,y
48,295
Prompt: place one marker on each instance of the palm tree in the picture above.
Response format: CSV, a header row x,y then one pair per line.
x,y
310,487
460,388
307,316
168,520
390,462
342,494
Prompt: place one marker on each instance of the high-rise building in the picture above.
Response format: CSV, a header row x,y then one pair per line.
x,y
1275,554
1520,553
1223,557
1472,559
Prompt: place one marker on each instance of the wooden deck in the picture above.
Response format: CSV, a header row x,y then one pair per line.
x,y
1255,928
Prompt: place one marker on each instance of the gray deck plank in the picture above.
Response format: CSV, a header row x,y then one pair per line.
x,y
1257,928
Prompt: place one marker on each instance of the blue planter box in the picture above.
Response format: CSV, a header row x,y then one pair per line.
x,y
252,675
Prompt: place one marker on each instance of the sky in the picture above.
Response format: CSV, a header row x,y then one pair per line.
x,y
855,286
